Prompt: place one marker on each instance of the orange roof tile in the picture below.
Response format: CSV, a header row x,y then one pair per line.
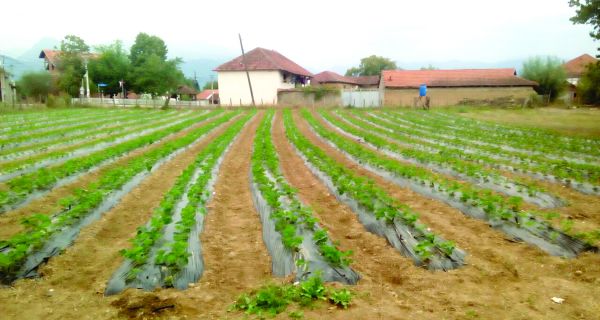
x,y
454,78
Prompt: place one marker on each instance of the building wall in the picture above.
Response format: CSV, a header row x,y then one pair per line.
x,y
298,98
234,90
454,96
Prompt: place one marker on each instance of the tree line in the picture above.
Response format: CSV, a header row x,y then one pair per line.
x,y
144,69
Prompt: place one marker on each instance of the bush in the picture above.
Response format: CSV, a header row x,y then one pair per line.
x,y
588,87
60,101
548,72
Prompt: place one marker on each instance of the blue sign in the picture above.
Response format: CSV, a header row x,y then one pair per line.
x,y
102,85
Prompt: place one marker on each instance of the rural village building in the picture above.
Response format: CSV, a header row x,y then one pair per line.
x,y
453,87
208,97
50,59
575,68
269,72
334,80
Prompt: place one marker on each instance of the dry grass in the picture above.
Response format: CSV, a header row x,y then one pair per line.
x,y
584,122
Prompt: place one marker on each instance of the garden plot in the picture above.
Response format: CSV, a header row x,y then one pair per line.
x,y
24,188
582,177
230,202
503,214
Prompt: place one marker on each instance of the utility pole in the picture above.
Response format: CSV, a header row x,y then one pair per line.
x,y
246,68
87,79
212,91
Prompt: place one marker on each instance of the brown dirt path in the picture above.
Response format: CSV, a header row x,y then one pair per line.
x,y
73,283
501,278
10,221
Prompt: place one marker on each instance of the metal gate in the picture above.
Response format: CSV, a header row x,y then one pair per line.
x,y
361,98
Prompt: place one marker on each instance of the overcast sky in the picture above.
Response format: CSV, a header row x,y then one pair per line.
x,y
316,34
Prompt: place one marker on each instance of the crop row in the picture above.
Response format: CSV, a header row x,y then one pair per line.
x,y
66,130
46,118
68,123
500,212
111,136
38,145
537,166
20,187
290,218
40,228
554,149
415,240
532,134
446,163
181,208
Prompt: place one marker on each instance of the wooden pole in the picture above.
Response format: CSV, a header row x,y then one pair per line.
x,y
246,68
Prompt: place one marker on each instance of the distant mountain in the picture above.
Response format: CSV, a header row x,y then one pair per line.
x,y
33,53
202,69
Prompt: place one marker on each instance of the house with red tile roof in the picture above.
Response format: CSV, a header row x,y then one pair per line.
x,y
575,68
52,59
332,79
269,72
455,87
208,96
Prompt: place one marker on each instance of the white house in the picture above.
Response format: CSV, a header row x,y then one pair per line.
x,y
269,71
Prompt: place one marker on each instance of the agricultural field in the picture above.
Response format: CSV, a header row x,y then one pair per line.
x,y
302,213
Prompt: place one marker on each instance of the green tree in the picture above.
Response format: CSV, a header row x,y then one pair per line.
x,y
588,87
430,67
111,66
71,64
146,45
371,66
211,85
548,72
151,72
36,85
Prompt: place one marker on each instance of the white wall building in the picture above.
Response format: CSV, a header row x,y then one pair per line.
x,y
269,71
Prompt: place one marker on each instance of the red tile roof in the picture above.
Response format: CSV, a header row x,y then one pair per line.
x,y
54,55
576,67
367,80
332,77
263,59
205,95
454,78
51,55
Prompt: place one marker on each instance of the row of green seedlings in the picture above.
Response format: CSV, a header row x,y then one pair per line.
x,y
64,131
497,210
555,149
40,120
39,228
173,256
18,189
375,200
446,163
120,133
65,128
271,300
63,141
533,135
537,166
290,216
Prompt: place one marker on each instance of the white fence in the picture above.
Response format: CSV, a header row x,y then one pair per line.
x,y
155,103
361,98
